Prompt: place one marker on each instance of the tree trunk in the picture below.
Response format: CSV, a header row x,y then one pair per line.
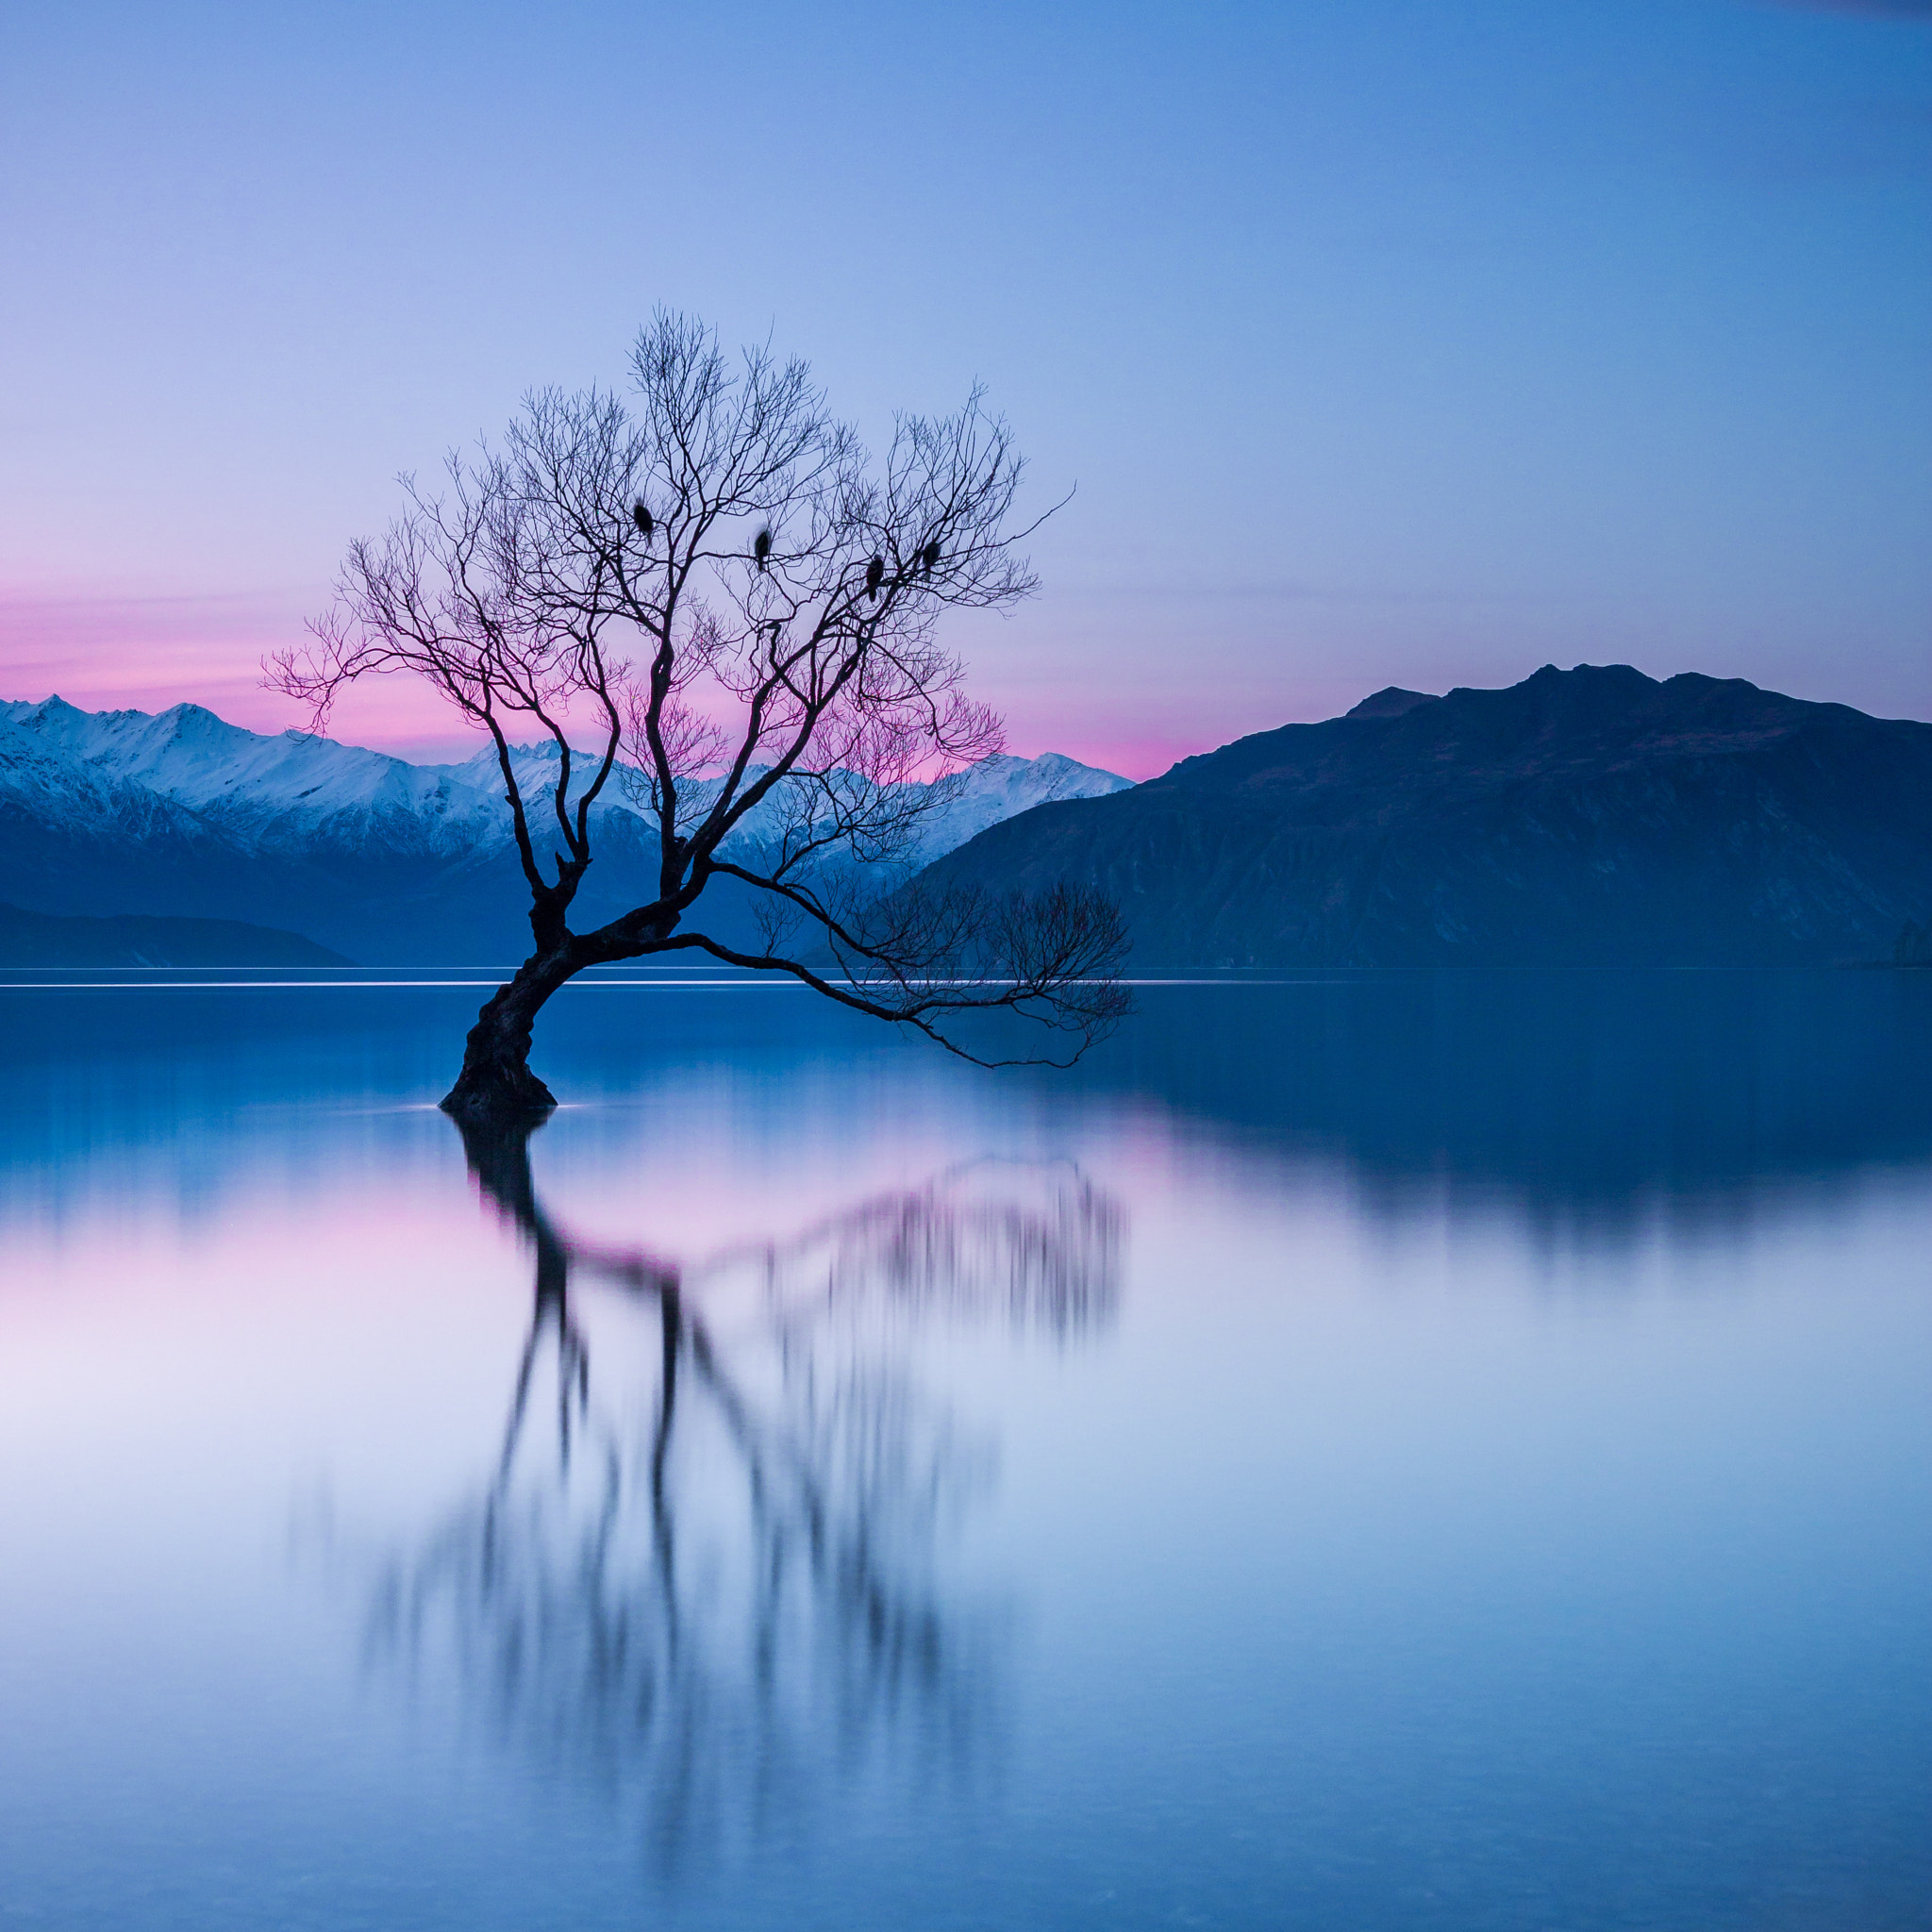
x,y
496,1083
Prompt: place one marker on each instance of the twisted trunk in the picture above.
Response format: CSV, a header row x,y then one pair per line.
x,y
496,1083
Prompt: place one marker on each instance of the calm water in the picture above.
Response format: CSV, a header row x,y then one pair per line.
x,y
1429,1452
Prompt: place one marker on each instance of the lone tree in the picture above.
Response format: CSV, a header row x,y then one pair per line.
x,y
714,574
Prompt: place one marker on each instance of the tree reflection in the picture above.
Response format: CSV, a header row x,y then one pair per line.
x,y
714,1580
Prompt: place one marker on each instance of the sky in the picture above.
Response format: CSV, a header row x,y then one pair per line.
x,y
1380,342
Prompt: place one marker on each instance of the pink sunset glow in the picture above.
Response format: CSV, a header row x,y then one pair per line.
x,y
149,651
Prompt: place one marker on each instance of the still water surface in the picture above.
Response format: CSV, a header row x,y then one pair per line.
x,y
1422,1452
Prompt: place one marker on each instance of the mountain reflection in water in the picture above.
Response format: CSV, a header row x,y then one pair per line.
x,y
704,1573
1490,1489
1582,1095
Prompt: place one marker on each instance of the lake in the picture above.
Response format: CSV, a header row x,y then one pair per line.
x,y
1407,1451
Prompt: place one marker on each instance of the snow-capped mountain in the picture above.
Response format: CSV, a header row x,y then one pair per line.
x,y
181,813
189,769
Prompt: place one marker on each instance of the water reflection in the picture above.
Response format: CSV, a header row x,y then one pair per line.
x,y
1357,1580
708,1568
1579,1100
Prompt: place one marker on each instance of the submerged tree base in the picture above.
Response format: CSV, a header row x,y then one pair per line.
x,y
498,1093
496,1085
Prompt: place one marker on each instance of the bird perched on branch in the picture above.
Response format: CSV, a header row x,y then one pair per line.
x,y
641,517
761,547
928,557
875,575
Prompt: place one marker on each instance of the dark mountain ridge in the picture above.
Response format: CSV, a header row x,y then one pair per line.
x,y
1587,817
43,940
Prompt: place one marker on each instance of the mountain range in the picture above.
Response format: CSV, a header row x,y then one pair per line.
x,y
1594,816
1586,817
179,814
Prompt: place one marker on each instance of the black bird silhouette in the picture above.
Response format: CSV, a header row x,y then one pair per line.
x,y
641,517
875,575
929,556
761,546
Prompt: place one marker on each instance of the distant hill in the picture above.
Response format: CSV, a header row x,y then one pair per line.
x,y
1583,817
39,939
182,815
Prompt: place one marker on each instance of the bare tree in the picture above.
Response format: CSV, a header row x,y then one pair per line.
x,y
743,605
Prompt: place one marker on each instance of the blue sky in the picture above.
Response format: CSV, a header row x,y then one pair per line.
x,y
1384,343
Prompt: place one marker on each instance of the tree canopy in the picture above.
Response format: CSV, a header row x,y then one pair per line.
x,y
710,576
